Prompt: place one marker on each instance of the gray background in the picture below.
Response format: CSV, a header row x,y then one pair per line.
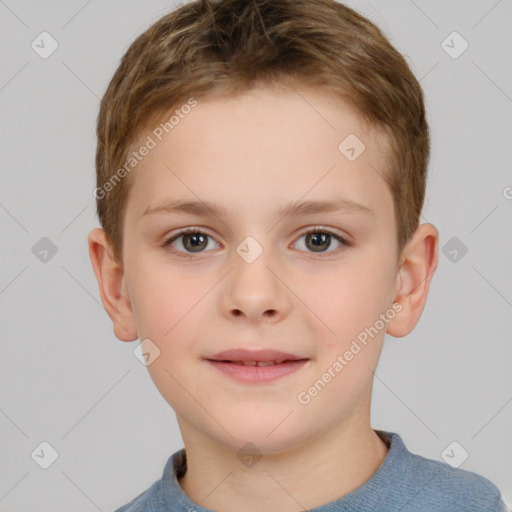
x,y
67,380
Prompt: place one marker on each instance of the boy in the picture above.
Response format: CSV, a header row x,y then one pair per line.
x,y
261,171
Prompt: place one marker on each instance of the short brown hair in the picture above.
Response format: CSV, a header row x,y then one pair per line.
x,y
213,47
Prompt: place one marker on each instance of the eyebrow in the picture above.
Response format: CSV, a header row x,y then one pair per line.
x,y
294,208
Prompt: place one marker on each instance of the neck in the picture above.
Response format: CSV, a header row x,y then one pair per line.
x,y
311,475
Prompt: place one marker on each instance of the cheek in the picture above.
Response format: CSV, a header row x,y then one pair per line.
x,y
351,300
351,337
168,311
164,300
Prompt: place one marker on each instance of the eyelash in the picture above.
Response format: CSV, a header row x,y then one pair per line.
x,y
315,230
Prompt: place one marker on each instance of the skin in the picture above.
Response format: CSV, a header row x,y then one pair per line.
x,y
252,153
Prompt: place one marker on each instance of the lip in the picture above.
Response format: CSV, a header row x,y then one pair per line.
x,y
226,362
265,355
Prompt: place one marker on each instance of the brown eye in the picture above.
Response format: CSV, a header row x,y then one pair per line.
x,y
188,242
195,242
319,241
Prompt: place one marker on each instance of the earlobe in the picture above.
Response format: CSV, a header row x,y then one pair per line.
x,y
418,263
109,274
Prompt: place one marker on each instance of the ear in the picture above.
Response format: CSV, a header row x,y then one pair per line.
x,y
418,262
114,294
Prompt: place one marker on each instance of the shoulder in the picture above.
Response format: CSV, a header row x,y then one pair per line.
x,y
146,501
164,491
455,487
435,485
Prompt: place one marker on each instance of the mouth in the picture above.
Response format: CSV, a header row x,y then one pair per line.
x,y
260,366
257,363
252,357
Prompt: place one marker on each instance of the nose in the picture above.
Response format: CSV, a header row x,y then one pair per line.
x,y
255,291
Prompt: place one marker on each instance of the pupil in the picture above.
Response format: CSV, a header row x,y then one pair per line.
x,y
319,241
197,241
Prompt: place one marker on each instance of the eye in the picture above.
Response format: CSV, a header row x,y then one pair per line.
x,y
318,240
192,241
188,242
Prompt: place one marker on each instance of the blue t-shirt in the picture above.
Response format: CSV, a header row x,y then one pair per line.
x,y
404,482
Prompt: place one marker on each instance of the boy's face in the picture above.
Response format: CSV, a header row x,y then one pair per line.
x,y
254,154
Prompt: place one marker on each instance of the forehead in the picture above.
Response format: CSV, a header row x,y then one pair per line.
x,y
263,147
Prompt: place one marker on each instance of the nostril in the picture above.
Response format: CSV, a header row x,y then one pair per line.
x,y
268,312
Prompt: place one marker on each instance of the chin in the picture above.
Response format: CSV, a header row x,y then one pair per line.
x,y
266,436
